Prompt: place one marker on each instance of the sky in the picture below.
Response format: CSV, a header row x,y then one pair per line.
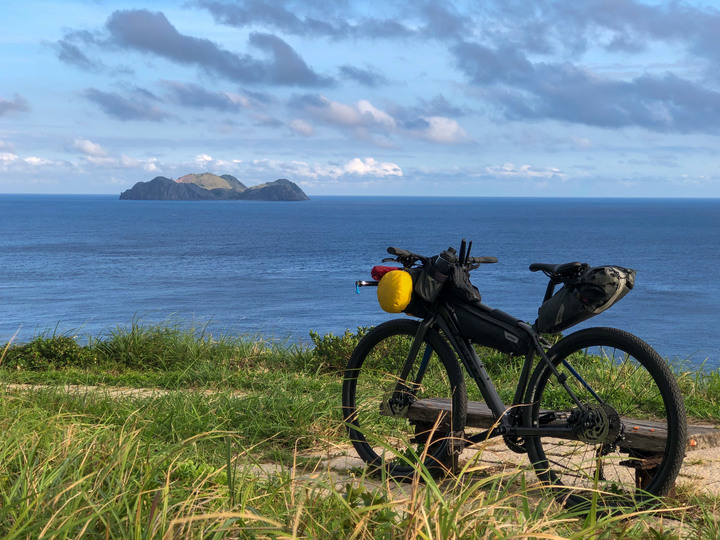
x,y
591,98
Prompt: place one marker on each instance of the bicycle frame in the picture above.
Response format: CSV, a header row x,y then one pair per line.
x,y
509,418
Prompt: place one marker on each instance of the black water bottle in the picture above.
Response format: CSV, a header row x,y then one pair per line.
x,y
445,260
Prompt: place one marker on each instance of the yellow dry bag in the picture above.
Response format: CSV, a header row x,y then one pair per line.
x,y
394,291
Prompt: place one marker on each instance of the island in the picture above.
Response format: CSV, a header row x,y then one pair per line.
x,y
211,187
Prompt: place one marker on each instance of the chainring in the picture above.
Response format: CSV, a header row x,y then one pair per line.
x,y
516,444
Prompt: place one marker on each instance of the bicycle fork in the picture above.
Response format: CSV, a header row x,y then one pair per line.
x,y
404,393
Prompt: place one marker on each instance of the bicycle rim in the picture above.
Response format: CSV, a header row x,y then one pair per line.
x,y
378,425
633,435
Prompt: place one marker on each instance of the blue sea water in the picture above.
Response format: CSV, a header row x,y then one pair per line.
x,y
87,264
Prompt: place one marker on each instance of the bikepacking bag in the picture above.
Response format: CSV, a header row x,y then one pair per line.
x,y
593,292
491,328
460,287
429,283
395,293
394,290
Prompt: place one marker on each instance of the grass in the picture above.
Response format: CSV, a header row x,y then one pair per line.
x,y
186,461
73,473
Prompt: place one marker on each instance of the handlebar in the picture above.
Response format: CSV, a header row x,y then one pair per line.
x,y
408,258
482,260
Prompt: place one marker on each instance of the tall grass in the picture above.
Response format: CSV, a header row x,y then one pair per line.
x,y
700,388
234,445
67,474
163,355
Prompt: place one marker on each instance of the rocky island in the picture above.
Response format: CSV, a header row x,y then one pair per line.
x,y
210,187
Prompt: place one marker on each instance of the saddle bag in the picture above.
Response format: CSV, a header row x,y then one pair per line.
x,y
596,290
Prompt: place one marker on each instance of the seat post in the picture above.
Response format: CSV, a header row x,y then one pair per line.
x,y
550,290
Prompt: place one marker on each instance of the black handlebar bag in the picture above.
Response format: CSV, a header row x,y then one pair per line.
x,y
596,290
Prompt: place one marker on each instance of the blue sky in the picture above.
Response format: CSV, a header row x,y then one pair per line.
x,y
498,98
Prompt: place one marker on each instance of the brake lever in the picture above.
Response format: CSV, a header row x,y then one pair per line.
x,y
406,262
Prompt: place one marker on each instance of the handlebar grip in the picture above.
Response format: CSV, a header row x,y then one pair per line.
x,y
399,252
482,260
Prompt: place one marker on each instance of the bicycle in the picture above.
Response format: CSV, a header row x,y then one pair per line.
x,y
598,413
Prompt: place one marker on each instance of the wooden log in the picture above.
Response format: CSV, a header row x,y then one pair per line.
x,y
643,435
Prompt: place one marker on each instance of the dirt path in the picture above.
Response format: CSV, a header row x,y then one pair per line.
x,y
112,391
700,470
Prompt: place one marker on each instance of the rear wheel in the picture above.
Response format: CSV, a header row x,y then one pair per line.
x,y
631,428
377,399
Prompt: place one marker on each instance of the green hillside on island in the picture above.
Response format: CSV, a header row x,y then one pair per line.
x,y
211,187
213,181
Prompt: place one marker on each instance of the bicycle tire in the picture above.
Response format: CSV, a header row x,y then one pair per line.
x,y
607,468
382,440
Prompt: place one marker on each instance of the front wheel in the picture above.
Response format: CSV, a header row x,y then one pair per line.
x,y
631,426
377,399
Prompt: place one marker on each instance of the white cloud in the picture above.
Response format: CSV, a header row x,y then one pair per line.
x,y
526,171
355,167
361,114
444,130
121,162
130,162
89,148
208,164
14,163
238,99
36,161
339,113
7,157
379,117
371,167
127,162
101,161
203,159
365,121
581,142
301,127
150,166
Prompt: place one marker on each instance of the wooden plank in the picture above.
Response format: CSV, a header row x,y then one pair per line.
x,y
700,437
479,415
639,434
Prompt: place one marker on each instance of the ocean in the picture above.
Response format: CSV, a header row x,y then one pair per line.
x,y
84,265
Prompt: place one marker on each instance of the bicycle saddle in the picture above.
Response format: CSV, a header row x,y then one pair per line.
x,y
557,270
